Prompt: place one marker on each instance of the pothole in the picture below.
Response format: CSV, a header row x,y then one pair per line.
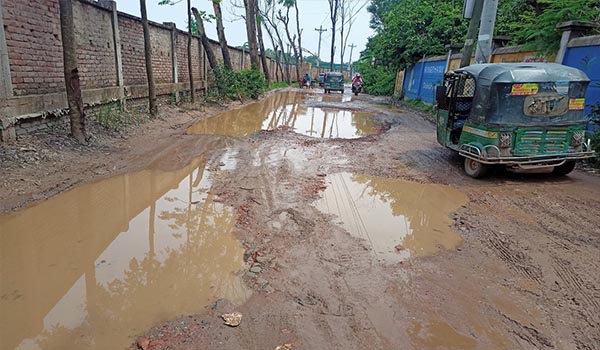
x,y
286,110
398,219
100,264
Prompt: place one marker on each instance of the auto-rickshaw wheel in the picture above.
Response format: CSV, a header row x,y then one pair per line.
x,y
564,168
475,169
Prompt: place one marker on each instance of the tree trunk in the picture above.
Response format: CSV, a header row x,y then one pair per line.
x,y
299,32
261,44
71,72
210,55
148,58
251,31
342,19
189,52
221,34
333,9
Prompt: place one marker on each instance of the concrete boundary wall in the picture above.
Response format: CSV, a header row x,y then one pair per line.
x,y
110,49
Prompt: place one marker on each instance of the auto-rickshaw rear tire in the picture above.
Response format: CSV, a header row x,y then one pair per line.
x,y
564,168
475,169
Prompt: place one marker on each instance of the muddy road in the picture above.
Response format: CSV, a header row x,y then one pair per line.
x,y
328,221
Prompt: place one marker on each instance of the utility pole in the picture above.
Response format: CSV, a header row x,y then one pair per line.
x,y
320,30
350,61
486,31
471,33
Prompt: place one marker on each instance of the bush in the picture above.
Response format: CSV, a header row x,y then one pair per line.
x,y
227,84
378,80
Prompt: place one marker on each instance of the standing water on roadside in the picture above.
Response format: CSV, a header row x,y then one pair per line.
x,y
398,219
98,265
286,110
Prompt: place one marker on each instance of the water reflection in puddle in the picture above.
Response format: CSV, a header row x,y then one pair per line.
x,y
286,109
436,334
391,213
95,266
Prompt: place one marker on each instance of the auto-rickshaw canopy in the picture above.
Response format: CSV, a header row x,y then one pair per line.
x,y
526,94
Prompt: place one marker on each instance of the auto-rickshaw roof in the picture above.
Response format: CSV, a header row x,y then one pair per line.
x,y
487,74
333,73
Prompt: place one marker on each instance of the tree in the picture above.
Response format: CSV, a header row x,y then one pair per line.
x,y
268,14
210,55
251,31
333,15
71,71
261,44
189,52
298,31
221,34
285,19
537,21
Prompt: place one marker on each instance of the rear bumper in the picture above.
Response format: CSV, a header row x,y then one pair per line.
x,y
491,155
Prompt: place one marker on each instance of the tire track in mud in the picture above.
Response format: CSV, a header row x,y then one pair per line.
x,y
515,259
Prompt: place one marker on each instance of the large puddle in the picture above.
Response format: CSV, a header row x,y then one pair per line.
x,y
399,219
286,110
96,266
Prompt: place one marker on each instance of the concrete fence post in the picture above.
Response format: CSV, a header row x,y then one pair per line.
x,y
174,70
570,30
6,90
112,5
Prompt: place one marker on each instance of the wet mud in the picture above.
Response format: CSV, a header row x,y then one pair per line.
x,y
323,231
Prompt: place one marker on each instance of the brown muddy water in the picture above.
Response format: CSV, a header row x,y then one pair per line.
x,y
96,266
437,334
286,110
398,219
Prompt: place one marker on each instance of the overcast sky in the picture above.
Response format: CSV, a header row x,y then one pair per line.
x,y
313,13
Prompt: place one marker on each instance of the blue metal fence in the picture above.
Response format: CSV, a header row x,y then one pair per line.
x,y
587,58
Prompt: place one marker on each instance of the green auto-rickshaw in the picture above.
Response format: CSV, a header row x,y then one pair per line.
x,y
333,81
520,115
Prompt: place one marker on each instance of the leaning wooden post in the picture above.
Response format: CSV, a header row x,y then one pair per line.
x,y
189,52
71,72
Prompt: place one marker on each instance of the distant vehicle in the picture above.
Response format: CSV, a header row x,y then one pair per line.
x,y
321,79
333,81
522,116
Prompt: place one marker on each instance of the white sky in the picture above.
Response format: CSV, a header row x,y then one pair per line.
x,y
313,13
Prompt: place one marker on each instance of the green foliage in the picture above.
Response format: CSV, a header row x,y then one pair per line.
x,y
228,84
377,80
413,28
278,84
536,24
110,117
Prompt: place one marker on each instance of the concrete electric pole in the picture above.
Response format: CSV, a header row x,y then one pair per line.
x,y
486,31
475,16
320,30
350,61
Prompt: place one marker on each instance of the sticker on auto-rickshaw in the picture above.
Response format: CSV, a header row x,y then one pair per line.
x,y
576,104
524,89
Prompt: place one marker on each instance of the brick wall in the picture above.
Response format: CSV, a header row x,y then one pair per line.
x,y
34,46
132,51
95,46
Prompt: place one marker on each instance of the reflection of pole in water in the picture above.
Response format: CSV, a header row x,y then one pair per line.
x,y
324,125
312,123
151,230
333,121
189,210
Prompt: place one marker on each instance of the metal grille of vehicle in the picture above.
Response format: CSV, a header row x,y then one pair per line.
x,y
532,142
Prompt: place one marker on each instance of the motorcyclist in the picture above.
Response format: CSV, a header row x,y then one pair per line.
x,y
307,79
357,78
